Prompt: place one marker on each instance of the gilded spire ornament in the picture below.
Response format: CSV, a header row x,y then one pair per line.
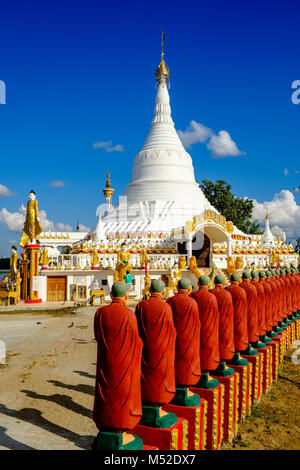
x,y
162,71
108,192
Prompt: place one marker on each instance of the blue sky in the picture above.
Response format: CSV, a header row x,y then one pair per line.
x,y
77,73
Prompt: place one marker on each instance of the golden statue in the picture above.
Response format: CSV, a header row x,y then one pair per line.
x,y
13,263
274,257
144,257
193,267
123,264
146,291
32,227
239,262
44,258
231,265
182,263
95,259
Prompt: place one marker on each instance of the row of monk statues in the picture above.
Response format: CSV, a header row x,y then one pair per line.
x,y
151,357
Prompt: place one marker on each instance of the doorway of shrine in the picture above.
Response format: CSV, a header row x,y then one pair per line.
x,y
201,249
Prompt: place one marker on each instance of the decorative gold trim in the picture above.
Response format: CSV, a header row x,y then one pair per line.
x,y
174,439
184,435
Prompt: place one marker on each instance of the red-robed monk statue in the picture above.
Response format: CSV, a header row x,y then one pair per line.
x,y
240,324
117,404
252,321
187,347
156,328
226,336
209,333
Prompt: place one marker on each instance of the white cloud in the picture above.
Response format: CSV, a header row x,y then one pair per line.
x,y
283,212
285,172
196,132
108,147
57,184
4,191
221,144
15,221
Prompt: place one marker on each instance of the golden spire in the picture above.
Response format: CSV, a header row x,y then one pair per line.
x,y
108,192
108,185
162,71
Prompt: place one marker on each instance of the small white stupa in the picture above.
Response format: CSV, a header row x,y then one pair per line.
x,y
268,237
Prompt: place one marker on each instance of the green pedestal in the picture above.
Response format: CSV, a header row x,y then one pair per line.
x,y
265,339
272,334
277,329
115,441
182,399
152,418
223,371
258,344
237,360
250,351
282,325
207,382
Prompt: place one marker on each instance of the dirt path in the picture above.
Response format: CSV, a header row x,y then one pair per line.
x,y
47,387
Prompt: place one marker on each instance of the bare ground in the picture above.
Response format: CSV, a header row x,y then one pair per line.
x,y
47,387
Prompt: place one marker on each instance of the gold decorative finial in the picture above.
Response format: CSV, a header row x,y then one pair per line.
x,y
108,185
162,71
108,192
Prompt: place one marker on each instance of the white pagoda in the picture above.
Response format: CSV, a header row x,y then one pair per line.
x,y
161,221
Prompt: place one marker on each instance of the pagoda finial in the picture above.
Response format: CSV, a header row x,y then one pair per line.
x,y
162,71
108,192
108,184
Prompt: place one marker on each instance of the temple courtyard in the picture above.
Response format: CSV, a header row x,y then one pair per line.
x,y
47,386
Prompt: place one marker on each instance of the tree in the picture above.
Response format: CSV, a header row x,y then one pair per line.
x,y
238,210
297,246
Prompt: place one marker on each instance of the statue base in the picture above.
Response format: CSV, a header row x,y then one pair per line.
x,y
196,417
258,344
244,394
155,417
264,339
223,371
266,368
215,414
257,375
275,346
231,402
237,360
271,334
207,382
117,441
277,329
249,351
174,437
184,397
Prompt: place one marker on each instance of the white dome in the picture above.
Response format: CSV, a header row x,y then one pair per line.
x,y
163,170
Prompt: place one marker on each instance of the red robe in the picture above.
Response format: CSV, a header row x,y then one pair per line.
x,y
268,304
282,299
117,402
187,348
252,322
275,303
156,328
239,299
288,284
226,315
209,334
261,314
294,287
